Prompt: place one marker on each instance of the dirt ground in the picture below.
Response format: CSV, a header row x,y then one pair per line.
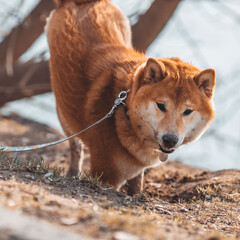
x,y
178,202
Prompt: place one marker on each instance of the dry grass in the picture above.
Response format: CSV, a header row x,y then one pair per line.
x,y
84,206
179,202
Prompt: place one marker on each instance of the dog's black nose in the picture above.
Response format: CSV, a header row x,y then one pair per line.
x,y
169,140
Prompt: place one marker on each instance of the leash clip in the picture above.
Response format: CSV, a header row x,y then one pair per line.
x,y
121,97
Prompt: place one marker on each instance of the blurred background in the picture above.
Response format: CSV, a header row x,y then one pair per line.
x,y
205,33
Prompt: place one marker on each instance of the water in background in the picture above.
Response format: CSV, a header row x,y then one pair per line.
x,y
205,34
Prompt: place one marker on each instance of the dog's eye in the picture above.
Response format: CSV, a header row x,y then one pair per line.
x,y
161,107
187,112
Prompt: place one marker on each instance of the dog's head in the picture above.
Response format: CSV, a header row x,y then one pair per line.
x,y
171,103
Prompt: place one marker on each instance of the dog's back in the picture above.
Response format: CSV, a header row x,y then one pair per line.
x,y
79,33
73,30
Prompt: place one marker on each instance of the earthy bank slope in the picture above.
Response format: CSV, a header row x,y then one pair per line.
x,y
179,202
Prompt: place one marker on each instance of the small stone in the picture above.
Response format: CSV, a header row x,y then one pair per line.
x,y
158,206
28,176
183,209
229,222
47,175
64,183
208,197
128,198
11,203
162,209
69,220
124,236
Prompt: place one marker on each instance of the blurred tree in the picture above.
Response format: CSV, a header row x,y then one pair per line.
x,y
152,22
26,33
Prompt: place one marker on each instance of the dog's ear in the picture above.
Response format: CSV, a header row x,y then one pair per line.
x,y
153,72
149,72
206,81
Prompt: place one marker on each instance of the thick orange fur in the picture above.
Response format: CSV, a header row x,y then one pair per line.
x,y
92,60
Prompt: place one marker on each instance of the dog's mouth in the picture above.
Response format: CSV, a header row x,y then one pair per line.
x,y
166,151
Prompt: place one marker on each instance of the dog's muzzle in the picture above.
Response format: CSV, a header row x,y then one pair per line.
x,y
166,151
168,142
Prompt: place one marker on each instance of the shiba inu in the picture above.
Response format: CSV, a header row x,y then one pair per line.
x,y
170,102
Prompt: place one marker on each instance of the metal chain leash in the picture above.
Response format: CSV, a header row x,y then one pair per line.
x,y
121,97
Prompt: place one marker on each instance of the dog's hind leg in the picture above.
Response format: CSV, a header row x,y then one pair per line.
x,y
76,149
135,185
77,155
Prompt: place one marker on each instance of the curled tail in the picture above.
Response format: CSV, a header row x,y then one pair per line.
x,y
61,2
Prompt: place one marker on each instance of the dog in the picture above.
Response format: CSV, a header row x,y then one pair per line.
x,y
169,102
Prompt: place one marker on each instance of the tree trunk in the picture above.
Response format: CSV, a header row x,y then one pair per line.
x,y
152,22
25,34
28,80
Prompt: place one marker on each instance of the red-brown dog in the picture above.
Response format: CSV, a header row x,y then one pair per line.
x,y
92,61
